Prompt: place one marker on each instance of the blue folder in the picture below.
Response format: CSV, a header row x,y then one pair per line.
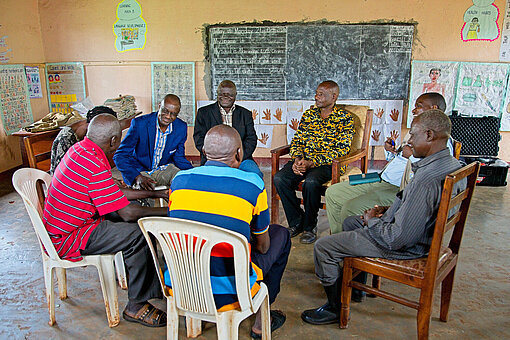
x,y
370,177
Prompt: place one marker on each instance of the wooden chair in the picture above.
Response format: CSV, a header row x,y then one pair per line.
x,y
359,151
38,149
456,148
423,273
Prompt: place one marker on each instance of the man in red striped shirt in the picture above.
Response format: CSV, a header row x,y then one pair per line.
x,y
82,196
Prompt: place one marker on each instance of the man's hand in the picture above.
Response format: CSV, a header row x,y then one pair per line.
x,y
278,114
163,193
394,115
267,114
254,114
294,123
407,151
379,112
145,183
376,134
389,145
376,211
120,183
263,138
301,166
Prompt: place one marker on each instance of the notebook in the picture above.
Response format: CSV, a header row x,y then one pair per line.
x,y
370,177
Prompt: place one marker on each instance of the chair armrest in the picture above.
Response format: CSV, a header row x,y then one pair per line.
x,y
282,150
345,160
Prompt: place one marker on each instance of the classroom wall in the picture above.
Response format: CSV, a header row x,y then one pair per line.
x,y
19,21
74,30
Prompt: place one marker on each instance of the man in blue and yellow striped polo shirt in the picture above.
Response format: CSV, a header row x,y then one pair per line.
x,y
220,194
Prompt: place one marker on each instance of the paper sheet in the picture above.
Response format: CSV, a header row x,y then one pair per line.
x,y
34,82
14,98
264,136
66,85
130,28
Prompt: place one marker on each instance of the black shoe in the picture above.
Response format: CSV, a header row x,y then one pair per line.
x,y
358,295
324,315
277,321
308,237
295,231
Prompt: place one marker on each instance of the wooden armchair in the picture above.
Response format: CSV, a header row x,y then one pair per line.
x,y
38,147
359,151
423,273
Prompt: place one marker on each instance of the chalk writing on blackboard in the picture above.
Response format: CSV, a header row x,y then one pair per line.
x,y
176,78
253,57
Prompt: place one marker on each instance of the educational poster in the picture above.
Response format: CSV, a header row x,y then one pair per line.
x,y
481,89
5,52
294,113
432,76
177,78
279,112
252,106
202,103
504,50
14,102
505,115
266,111
33,81
387,121
130,28
480,21
66,85
264,136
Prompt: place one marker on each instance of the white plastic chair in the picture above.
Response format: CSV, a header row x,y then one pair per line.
x,y
189,268
24,181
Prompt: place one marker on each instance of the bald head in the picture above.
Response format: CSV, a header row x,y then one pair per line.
x,y
222,143
104,130
171,99
436,121
332,86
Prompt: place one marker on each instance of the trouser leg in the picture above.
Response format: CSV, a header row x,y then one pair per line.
x,y
274,261
286,183
109,238
329,251
164,177
312,191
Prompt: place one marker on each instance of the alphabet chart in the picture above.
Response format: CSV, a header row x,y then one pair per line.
x,y
14,101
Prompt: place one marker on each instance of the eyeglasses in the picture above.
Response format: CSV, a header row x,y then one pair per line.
x,y
227,95
164,111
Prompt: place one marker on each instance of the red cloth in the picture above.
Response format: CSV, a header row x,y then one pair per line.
x,y
82,191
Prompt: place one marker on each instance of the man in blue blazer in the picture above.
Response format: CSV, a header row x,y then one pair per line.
x,y
152,152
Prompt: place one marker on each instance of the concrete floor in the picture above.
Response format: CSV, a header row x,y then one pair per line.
x,y
480,306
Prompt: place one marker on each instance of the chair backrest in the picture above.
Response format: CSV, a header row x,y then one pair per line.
x,y
446,219
456,148
186,247
359,113
24,181
38,149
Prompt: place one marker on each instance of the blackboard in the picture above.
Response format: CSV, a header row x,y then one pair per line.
x,y
288,62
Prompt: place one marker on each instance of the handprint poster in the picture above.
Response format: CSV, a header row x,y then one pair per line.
x,y
266,111
279,112
264,136
252,106
387,121
294,113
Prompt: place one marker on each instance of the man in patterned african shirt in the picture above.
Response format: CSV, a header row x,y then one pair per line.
x,y
324,133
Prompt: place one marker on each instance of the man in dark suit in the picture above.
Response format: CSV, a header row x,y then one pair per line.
x,y
152,152
224,111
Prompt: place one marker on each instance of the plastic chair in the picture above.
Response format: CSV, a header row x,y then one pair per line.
x,y
24,181
359,152
189,268
426,272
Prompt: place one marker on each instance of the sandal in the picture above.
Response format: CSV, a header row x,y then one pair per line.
x,y
148,316
277,321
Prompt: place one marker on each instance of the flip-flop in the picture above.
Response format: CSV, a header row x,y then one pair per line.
x,y
148,316
277,321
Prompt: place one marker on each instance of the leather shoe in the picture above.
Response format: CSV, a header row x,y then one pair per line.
x,y
324,315
295,231
308,237
357,295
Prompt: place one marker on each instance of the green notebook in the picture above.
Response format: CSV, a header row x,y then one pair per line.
x,y
370,177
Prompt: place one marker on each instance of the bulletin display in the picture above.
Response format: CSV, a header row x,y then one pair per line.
x,y
176,78
66,85
14,98
471,89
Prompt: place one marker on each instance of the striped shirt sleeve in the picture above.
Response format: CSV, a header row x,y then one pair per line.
x,y
105,194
